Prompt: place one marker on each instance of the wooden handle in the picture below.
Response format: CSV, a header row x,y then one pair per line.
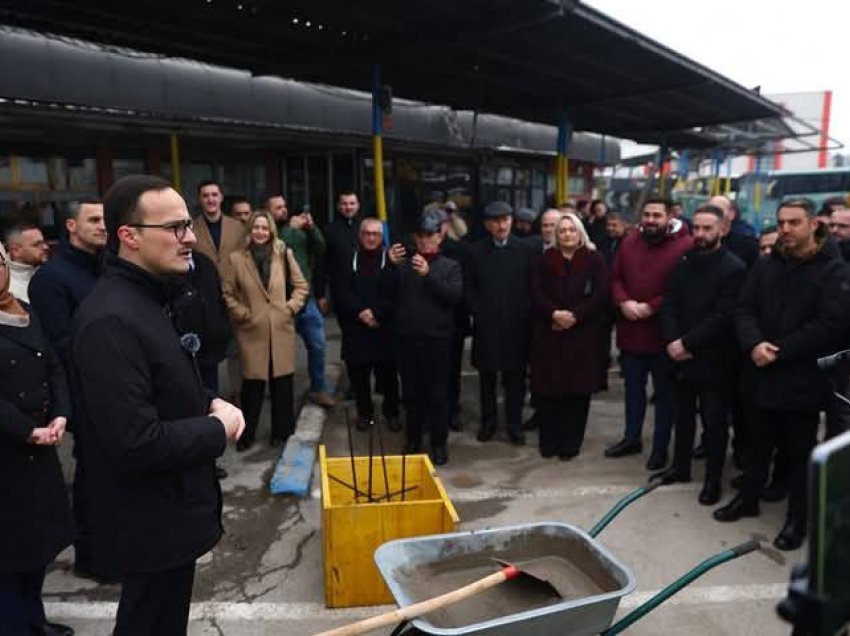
x,y
424,607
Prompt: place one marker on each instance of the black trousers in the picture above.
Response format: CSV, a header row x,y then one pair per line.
x,y
386,377
513,384
562,422
455,367
424,367
283,413
83,558
713,410
21,609
155,604
796,431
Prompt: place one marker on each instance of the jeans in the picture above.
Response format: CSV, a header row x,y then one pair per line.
x,y
637,367
310,325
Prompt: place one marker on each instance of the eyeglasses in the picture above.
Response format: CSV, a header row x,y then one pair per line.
x,y
178,227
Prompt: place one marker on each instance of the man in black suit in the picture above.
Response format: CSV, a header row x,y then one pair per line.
x,y
151,431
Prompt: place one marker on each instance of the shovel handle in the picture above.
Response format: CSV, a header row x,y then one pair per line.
x,y
424,607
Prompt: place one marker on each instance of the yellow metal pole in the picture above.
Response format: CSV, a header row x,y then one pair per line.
x,y
380,195
175,161
566,179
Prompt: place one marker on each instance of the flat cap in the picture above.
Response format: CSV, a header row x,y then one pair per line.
x,y
525,214
496,209
431,221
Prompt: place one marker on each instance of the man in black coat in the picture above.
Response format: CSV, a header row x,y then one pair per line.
x,y
430,286
793,309
340,244
696,323
365,303
151,433
56,291
497,293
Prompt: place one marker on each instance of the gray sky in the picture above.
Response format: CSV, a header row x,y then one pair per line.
x,y
781,46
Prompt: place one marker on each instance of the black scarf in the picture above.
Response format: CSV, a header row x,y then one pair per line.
x,y
262,255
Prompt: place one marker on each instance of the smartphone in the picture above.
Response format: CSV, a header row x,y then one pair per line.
x,y
829,519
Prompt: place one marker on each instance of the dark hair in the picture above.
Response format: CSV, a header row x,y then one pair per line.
x,y
770,229
830,203
657,201
72,210
346,193
208,182
273,195
582,204
121,203
233,200
615,215
709,209
17,229
594,203
798,202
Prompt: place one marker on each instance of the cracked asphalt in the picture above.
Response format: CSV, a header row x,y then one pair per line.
x,y
265,576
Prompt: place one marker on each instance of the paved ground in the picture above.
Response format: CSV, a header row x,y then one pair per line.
x,y
265,577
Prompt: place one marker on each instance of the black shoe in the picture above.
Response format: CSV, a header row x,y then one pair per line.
x,y
670,476
774,492
657,460
737,482
244,444
275,442
97,577
439,455
517,439
393,423
791,536
565,457
530,424
699,451
485,434
736,509
624,447
546,454
363,423
412,448
710,493
54,629
220,472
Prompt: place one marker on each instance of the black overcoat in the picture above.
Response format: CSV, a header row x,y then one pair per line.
x,y
35,519
497,290
149,444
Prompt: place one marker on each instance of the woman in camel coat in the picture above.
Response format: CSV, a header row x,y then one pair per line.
x,y
264,289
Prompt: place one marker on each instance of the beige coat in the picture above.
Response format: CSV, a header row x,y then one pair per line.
x,y
264,321
232,239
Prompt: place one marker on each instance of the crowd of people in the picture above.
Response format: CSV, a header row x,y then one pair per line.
x,y
120,336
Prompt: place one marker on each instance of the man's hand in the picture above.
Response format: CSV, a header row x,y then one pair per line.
x,y
230,416
764,353
563,318
58,425
420,265
42,436
630,310
397,253
324,305
297,222
308,221
676,350
368,318
643,310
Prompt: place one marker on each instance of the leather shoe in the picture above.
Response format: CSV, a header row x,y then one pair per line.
x,y
394,423
657,459
412,448
736,509
439,455
275,442
565,457
220,472
791,536
699,451
97,577
485,434
670,476
517,439
774,492
710,493
624,447
54,629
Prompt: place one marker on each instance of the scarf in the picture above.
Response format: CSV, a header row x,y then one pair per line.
x,y
12,312
262,255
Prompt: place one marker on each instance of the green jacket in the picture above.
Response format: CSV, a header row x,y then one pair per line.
x,y
308,247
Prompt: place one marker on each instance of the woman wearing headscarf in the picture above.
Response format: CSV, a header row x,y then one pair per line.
x,y
264,289
568,358
35,519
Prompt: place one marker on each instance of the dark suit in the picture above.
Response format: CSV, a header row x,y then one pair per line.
x,y
150,447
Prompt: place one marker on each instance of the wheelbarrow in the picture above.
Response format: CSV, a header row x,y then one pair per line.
x,y
438,581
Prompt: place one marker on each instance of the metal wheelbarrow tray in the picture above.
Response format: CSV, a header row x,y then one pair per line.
x,y
418,568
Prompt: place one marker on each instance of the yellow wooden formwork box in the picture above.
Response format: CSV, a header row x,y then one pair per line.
x,y
353,528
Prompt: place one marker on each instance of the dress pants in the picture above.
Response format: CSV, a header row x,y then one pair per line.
x,y
637,368
513,383
424,366
21,609
83,558
713,410
155,604
562,421
283,413
796,431
386,377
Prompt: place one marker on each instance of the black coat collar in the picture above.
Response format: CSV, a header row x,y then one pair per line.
x,y
29,336
148,284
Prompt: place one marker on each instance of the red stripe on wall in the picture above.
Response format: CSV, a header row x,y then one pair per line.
x,y
824,128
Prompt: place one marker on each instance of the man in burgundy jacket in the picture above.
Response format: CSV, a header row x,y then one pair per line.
x,y
639,278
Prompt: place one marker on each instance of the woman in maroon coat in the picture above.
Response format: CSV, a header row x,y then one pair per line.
x,y
568,357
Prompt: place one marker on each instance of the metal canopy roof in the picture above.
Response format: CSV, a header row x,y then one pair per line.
x,y
526,59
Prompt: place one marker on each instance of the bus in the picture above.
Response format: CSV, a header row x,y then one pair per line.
x,y
759,194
